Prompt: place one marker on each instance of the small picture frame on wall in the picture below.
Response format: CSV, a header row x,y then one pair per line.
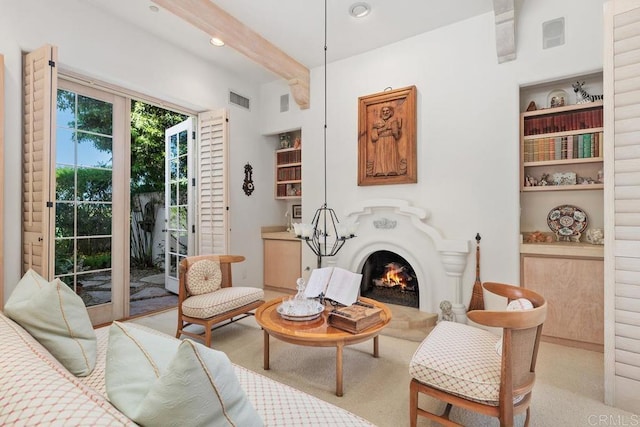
x,y
296,211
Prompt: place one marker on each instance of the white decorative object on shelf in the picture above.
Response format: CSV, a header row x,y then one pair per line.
x,y
595,236
564,178
557,98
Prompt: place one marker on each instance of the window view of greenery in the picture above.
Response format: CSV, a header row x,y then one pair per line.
x,y
84,189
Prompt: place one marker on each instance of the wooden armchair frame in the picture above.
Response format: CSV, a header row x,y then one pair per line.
x,y
521,338
231,315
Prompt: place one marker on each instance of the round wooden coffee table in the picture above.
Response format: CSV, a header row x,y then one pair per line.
x,y
316,333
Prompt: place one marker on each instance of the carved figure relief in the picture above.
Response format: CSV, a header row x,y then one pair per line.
x,y
385,135
387,138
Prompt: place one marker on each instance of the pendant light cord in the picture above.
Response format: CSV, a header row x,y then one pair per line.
x,y
325,103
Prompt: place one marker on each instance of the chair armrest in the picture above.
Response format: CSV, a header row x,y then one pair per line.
x,y
512,292
520,319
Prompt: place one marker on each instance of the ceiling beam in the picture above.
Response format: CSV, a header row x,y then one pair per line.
x,y
504,12
215,22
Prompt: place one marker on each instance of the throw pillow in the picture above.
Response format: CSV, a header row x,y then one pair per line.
x,y
159,381
516,304
519,304
57,317
203,277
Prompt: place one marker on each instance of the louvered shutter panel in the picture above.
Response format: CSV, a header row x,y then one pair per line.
x,y
622,195
40,88
3,177
211,188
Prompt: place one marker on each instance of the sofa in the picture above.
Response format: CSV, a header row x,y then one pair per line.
x,y
36,389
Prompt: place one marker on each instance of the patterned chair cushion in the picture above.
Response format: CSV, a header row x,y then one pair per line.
x,y
204,276
160,381
459,359
220,301
57,317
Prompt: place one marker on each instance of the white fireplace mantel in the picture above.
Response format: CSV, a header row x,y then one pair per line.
x,y
396,225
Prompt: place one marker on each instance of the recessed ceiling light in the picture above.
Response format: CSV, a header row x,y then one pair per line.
x,y
359,10
154,8
216,41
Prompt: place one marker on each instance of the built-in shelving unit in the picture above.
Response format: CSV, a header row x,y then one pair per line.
x,y
561,148
561,163
288,164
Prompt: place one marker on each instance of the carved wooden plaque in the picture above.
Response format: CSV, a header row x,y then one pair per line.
x,y
387,148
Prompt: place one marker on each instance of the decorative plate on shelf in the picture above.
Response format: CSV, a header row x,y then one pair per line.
x,y
567,221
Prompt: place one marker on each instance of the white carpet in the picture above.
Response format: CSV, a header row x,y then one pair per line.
x,y
568,391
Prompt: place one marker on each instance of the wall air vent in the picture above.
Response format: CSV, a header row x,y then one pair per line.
x,y
553,33
284,103
239,100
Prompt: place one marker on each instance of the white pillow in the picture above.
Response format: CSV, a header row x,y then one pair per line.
x,y
516,304
204,277
57,317
159,381
519,304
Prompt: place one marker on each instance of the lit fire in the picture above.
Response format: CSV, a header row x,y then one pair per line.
x,y
393,279
393,276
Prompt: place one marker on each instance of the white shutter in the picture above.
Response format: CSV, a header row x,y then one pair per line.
x,y
40,88
212,227
3,177
622,201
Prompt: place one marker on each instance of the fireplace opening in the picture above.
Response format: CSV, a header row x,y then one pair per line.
x,y
387,277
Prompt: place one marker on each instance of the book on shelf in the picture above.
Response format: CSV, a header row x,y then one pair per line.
x,y
582,146
356,317
335,283
562,122
586,139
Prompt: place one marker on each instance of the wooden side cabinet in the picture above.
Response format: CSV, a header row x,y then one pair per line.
x,y
574,290
282,263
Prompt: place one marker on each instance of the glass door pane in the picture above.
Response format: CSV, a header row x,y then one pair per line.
x,y
84,196
178,215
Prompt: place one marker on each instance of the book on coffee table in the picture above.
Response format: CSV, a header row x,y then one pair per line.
x,y
355,318
334,283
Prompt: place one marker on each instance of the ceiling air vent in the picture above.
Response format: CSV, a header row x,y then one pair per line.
x,y
239,100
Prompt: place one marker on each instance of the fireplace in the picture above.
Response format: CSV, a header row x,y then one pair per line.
x,y
389,278
396,226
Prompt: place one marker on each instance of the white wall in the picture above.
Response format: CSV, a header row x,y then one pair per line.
x,y
468,118
104,48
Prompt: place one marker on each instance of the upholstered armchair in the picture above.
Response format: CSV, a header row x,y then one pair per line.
x,y
206,296
474,369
